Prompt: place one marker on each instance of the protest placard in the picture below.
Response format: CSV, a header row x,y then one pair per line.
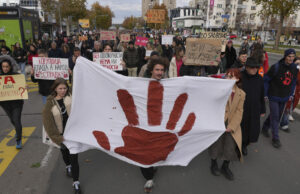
x,y
107,35
112,61
13,87
125,37
156,16
204,50
167,39
83,38
141,41
148,53
50,68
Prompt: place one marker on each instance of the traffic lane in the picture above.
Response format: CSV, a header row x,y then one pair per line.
x,y
265,169
23,174
274,58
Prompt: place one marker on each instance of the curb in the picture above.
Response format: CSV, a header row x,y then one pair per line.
x,y
297,110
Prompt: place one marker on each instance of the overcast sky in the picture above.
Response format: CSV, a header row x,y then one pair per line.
x,y
125,8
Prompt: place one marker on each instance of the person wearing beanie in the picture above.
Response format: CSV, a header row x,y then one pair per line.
x,y
131,59
279,83
230,54
254,106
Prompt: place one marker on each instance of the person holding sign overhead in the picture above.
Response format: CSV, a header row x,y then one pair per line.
x,y
13,108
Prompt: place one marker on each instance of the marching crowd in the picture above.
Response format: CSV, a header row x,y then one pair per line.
x,y
256,84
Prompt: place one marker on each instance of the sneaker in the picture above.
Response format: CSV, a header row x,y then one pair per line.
x,y
265,133
285,128
148,186
69,171
19,144
276,143
291,118
76,186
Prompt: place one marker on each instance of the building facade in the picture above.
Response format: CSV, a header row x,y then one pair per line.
x,y
170,4
148,4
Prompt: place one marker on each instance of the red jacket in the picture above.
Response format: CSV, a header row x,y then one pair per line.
x,y
30,58
266,63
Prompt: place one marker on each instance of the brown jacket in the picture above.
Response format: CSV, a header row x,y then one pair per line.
x,y
234,114
52,118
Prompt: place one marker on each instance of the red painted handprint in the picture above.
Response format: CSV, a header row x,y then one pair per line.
x,y
141,145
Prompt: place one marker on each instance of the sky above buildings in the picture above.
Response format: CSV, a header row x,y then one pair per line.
x,y
126,8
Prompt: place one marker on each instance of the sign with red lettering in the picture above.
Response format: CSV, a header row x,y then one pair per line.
x,y
112,61
141,41
107,35
50,68
13,87
125,37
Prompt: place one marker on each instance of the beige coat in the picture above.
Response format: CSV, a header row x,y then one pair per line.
x,y
173,68
234,114
52,118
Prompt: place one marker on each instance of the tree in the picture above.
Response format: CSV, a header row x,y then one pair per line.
x,y
132,22
74,8
49,8
167,22
100,16
280,8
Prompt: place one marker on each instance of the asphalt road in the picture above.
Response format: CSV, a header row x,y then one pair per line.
x,y
36,169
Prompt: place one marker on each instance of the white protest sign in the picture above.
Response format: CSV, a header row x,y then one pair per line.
x,y
50,68
112,60
148,53
167,39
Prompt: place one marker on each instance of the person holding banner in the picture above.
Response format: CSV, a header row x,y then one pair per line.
x,y
13,108
228,146
55,116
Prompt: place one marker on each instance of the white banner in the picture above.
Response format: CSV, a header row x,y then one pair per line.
x,y
143,121
167,39
148,53
50,68
112,61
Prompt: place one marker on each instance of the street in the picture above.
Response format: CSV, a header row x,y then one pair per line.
x,y
39,169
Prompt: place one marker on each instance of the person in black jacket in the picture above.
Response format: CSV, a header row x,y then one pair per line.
x,y
254,106
44,85
241,61
13,108
54,52
167,52
20,56
230,54
280,83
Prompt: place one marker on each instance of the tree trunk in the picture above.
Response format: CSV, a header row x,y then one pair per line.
x,y
279,32
68,26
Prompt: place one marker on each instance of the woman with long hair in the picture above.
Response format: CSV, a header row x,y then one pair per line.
x,y
55,117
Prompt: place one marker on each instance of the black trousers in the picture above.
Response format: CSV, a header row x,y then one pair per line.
x,y
70,159
148,173
13,110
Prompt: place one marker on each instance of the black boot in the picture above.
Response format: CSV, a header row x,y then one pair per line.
x,y
226,171
214,168
244,150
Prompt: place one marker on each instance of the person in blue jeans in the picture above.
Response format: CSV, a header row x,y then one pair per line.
x,y
279,83
20,56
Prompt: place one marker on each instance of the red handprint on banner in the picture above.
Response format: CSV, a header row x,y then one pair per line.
x,y
141,145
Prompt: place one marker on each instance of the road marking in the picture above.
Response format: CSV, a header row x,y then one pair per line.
x,y
7,153
46,157
33,90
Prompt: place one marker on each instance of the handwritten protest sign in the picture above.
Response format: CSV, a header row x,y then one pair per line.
x,y
111,60
141,41
167,39
148,53
156,16
204,50
125,37
107,35
50,68
83,38
13,87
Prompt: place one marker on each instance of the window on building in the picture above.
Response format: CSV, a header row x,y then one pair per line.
x,y
219,5
253,7
29,3
218,21
252,16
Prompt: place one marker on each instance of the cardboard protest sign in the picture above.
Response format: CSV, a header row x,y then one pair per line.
x,y
167,39
204,50
148,53
107,35
50,68
156,16
125,37
83,38
84,23
111,60
13,87
141,41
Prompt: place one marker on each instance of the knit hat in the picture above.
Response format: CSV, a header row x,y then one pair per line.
x,y
154,53
287,52
251,62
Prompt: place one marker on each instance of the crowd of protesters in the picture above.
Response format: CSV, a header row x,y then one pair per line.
x,y
256,83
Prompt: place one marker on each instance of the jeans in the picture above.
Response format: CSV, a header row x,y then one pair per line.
x,y
285,117
14,112
22,67
132,72
44,99
70,159
276,110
